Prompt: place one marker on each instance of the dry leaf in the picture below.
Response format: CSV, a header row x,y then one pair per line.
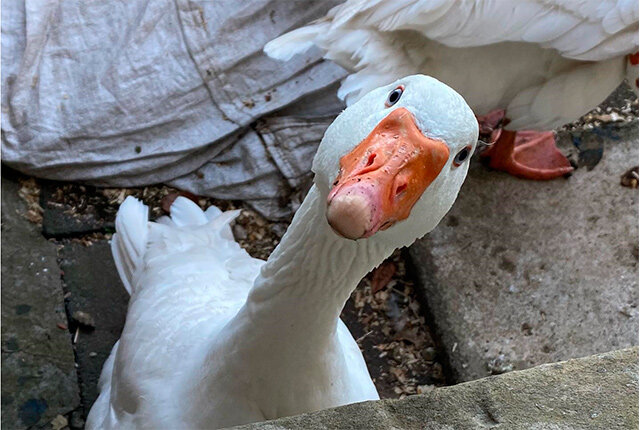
x,y
30,192
59,422
399,374
422,389
382,275
411,335
168,200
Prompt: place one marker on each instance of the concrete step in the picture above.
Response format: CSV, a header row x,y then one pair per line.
x,y
596,392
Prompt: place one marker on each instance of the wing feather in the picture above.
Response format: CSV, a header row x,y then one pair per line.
x,y
575,28
376,41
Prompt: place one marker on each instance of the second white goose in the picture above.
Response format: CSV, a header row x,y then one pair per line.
x,y
527,65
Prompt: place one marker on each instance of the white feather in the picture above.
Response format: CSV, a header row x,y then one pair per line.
x,y
479,48
185,212
295,42
128,244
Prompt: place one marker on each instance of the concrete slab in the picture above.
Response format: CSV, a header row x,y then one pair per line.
x,y
39,379
597,392
93,286
521,273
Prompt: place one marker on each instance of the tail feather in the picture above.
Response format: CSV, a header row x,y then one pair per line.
x,y
222,222
165,220
185,212
213,213
128,244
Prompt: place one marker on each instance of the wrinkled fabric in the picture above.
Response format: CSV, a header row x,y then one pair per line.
x,y
130,93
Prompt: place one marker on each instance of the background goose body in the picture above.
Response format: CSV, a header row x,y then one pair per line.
x,y
544,62
215,338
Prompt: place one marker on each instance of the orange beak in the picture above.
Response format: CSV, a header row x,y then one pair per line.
x,y
384,176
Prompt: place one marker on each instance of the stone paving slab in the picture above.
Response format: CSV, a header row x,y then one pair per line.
x,y
521,272
94,287
597,392
39,379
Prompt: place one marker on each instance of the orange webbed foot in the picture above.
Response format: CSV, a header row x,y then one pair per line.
x,y
527,154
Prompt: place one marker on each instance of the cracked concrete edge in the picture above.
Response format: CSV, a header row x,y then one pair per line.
x,y
39,379
595,392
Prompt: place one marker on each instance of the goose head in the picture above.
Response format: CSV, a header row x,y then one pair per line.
x,y
391,165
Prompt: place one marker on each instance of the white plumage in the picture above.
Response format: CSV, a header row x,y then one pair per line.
x,y
546,62
215,338
187,277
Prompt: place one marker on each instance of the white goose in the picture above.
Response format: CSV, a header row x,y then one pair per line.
x,y
215,338
544,62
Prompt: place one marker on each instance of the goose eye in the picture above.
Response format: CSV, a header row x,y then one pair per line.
x,y
462,155
394,96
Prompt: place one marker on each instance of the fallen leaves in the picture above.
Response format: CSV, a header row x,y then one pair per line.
x,y
30,192
158,197
59,422
390,316
255,234
382,275
410,335
608,117
91,238
616,112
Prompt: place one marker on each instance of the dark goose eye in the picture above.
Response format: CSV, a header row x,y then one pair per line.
x,y
462,155
394,96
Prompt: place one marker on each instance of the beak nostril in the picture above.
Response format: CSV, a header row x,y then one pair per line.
x,y
387,224
400,189
370,160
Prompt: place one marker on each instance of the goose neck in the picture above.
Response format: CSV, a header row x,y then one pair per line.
x,y
307,280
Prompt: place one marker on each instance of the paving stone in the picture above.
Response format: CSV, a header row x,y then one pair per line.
x,y
39,379
93,285
597,392
522,272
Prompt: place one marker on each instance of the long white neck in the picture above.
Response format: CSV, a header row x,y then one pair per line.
x,y
284,339
304,285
